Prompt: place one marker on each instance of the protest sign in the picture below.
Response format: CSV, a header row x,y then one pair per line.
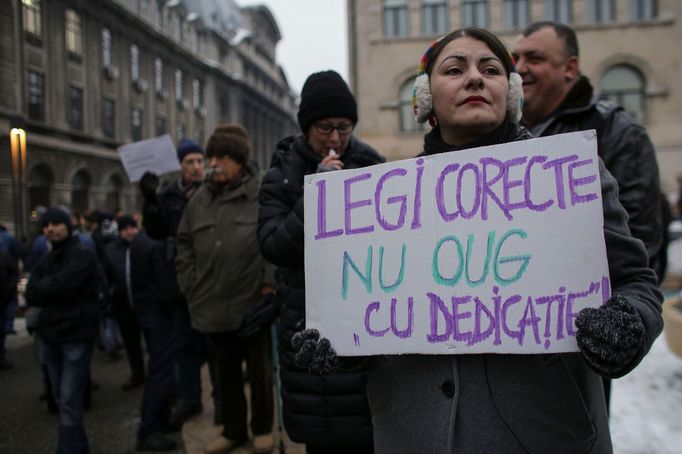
x,y
155,155
488,250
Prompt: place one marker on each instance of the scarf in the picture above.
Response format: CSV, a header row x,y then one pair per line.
x,y
506,132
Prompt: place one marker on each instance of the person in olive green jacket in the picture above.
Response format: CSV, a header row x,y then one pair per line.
x,y
222,273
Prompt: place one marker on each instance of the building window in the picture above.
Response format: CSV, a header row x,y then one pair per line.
x,y
434,17
75,115
475,13
176,27
136,124
408,122
109,118
599,11
395,18
516,14
80,189
36,96
134,62
113,197
73,32
625,86
32,17
178,84
559,10
180,131
106,48
643,9
160,125
158,74
197,93
39,186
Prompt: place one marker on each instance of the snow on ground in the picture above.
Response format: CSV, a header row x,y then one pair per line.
x,y
646,404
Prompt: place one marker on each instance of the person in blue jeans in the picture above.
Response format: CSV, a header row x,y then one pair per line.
x,y
65,285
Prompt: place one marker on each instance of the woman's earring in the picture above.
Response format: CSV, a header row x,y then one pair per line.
x,y
432,120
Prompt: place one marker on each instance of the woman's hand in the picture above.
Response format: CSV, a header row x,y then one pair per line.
x,y
331,162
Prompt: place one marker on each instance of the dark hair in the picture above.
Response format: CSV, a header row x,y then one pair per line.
x,y
492,41
564,32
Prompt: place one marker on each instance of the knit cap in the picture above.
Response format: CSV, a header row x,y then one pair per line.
x,y
125,221
325,95
55,215
188,146
229,140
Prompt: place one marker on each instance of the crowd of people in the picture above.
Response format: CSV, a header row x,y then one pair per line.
x,y
180,276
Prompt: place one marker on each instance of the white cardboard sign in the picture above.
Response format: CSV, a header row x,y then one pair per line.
x,y
488,250
155,155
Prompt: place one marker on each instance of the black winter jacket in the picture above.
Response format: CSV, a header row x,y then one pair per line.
x,y
319,410
145,261
161,221
65,283
627,152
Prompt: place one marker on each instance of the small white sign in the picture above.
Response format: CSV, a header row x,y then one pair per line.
x,y
488,250
155,155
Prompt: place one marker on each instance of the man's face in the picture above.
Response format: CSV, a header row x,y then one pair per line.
x,y
55,232
192,168
225,169
128,233
548,74
322,142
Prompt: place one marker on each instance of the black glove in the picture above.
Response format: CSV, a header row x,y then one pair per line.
x,y
314,353
148,185
610,336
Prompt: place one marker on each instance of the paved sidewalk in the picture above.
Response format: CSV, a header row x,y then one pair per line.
x,y
200,430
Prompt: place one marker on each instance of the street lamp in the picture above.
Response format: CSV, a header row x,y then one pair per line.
x,y
17,137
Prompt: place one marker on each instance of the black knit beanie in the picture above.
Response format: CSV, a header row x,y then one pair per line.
x,y
325,95
55,216
125,221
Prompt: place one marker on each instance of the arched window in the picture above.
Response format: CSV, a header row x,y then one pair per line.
x,y
113,197
408,122
39,186
625,86
80,188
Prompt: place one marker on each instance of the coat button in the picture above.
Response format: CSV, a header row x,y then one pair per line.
x,y
448,388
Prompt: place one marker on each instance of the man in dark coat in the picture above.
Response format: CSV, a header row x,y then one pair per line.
x,y
135,273
122,307
161,218
66,285
558,99
328,413
9,277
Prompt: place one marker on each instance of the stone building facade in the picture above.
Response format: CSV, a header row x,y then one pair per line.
x,y
82,77
628,48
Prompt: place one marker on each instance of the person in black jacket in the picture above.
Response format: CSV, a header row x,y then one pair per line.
x,y
558,99
161,218
122,308
66,286
134,273
329,414
9,277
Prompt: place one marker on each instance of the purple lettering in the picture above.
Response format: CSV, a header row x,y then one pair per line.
x,y
457,315
440,196
373,307
527,189
559,177
488,183
407,332
574,182
356,204
438,306
477,197
322,213
508,183
416,214
401,199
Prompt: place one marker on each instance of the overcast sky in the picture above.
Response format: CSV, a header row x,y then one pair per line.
x,y
314,36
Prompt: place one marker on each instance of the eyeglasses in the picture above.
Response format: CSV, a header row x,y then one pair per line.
x,y
326,128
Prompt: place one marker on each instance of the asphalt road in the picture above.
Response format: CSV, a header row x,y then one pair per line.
x,y
27,427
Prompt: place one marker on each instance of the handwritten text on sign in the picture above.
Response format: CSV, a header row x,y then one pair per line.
x,y
494,249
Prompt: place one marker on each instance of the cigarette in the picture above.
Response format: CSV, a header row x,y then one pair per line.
x,y
332,152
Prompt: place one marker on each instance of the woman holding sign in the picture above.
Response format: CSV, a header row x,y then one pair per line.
x,y
469,92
